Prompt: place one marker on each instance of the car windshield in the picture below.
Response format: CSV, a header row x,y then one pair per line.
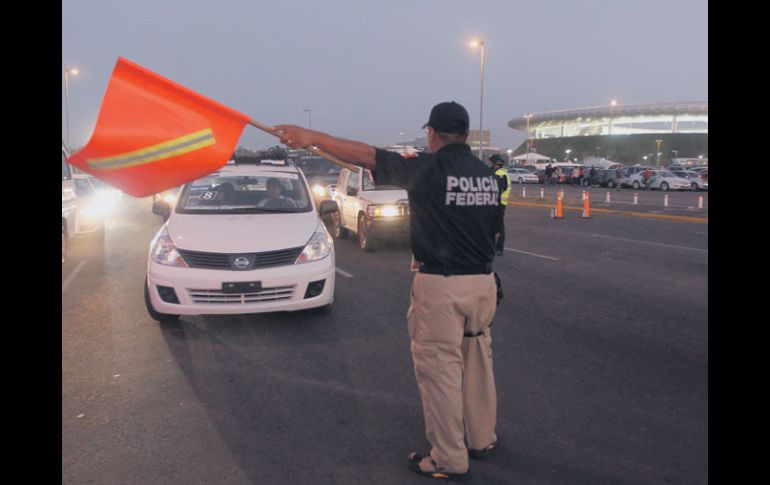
x,y
83,188
318,166
370,185
245,194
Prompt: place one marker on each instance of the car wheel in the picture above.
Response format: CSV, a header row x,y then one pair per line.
x,y
694,187
636,185
161,317
521,180
611,184
339,231
364,238
664,186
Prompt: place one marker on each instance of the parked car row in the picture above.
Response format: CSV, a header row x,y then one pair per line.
x,y
632,177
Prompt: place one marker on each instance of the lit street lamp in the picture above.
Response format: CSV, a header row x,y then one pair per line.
x,y
567,151
477,43
67,72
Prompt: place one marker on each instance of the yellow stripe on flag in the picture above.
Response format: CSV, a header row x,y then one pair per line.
x,y
172,148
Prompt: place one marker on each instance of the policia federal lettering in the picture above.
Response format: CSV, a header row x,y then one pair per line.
x,y
471,191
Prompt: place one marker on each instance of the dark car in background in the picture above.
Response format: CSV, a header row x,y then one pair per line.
x,y
321,176
603,177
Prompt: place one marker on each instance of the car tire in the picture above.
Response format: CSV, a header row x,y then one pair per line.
x,y
364,238
636,185
611,184
160,317
694,187
521,180
337,229
664,186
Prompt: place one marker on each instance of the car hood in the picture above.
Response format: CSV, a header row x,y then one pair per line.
x,y
384,196
241,233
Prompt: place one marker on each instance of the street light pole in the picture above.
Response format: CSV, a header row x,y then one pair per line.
x,y
477,43
657,156
67,72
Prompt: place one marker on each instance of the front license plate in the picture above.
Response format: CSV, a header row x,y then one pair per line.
x,y
242,287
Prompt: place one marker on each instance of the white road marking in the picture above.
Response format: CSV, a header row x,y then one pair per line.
x,y
532,254
651,243
72,275
344,273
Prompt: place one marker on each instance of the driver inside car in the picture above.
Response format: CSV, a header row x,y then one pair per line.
x,y
275,198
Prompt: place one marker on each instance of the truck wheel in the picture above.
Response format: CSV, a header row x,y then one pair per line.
x,y
364,238
339,231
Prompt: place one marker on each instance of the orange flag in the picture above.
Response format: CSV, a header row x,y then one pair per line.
x,y
153,134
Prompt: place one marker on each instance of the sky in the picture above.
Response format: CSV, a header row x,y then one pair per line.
x,y
370,70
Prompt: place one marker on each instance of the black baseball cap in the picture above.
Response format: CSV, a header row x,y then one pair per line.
x,y
449,117
497,159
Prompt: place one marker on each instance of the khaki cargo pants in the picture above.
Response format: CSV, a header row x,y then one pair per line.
x,y
454,373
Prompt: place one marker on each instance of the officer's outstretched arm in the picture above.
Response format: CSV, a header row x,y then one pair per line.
x,y
350,151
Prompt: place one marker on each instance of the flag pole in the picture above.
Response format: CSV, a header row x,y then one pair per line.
x,y
311,148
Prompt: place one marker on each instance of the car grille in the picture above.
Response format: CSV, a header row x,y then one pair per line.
x,y
267,259
279,293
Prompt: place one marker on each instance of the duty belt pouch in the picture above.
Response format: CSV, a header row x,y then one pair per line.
x,y
499,286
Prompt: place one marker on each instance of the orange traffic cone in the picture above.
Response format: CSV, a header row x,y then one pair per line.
x,y
587,206
559,209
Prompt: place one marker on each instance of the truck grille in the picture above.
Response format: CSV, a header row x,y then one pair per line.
x,y
267,259
265,295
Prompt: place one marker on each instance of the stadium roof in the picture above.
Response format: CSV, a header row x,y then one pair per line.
x,y
683,117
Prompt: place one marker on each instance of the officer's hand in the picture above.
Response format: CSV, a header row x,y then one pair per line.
x,y
294,136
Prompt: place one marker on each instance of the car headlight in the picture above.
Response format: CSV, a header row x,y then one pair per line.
x,y
384,210
318,247
169,198
163,251
319,190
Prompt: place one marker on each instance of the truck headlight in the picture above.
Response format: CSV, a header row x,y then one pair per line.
x,y
318,247
163,251
384,210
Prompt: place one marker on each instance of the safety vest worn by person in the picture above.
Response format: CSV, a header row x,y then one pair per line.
x,y
501,172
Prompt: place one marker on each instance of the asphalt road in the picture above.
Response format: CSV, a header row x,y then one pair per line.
x,y
601,362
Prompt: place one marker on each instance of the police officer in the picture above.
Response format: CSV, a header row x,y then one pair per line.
x,y
504,183
453,200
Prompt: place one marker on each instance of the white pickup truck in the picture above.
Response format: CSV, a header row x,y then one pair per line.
x,y
374,212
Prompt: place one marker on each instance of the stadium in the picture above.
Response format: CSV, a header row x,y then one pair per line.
x,y
648,134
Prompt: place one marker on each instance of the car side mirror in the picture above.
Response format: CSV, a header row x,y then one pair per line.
x,y
160,209
352,191
328,207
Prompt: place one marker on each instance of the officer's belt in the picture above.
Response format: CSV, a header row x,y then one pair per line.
x,y
455,270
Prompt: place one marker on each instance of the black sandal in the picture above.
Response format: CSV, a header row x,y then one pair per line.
x,y
414,465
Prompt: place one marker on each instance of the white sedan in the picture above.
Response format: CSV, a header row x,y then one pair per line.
x,y
661,179
522,176
244,239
